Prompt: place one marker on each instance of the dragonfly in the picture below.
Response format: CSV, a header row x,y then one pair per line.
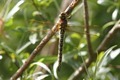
x,y
63,25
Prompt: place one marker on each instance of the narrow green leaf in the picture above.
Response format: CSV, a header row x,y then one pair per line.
x,y
108,24
55,66
102,61
33,38
43,66
41,77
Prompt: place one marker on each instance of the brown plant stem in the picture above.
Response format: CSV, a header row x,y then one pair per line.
x,y
43,42
108,37
76,75
65,4
86,20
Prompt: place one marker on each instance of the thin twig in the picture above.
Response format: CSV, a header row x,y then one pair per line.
x,y
100,48
43,42
109,36
87,63
90,51
65,4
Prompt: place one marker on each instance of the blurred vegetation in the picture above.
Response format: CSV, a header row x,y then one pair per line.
x,y
23,23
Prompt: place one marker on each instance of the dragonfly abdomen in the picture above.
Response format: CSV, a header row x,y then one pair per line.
x,y
63,25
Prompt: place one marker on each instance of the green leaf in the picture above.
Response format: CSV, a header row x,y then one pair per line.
x,y
41,77
14,10
55,67
108,25
75,39
23,47
115,53
1,57
115,14
46,59
43,66
9,22
103,61
43,3
33,38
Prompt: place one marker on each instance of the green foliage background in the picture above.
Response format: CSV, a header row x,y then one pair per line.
x,y
23,30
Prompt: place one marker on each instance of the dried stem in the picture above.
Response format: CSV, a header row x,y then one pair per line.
x,y
90,51
43,42
108,37
88,61
65,4
100,48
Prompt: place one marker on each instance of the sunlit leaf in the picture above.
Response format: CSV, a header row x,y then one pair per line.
x,y
33,38
55,67
41,77
82,53
23,47
100,1
103,2
1,57
42,65
14,10
115,14
114,53
38,73
35,74
81,45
